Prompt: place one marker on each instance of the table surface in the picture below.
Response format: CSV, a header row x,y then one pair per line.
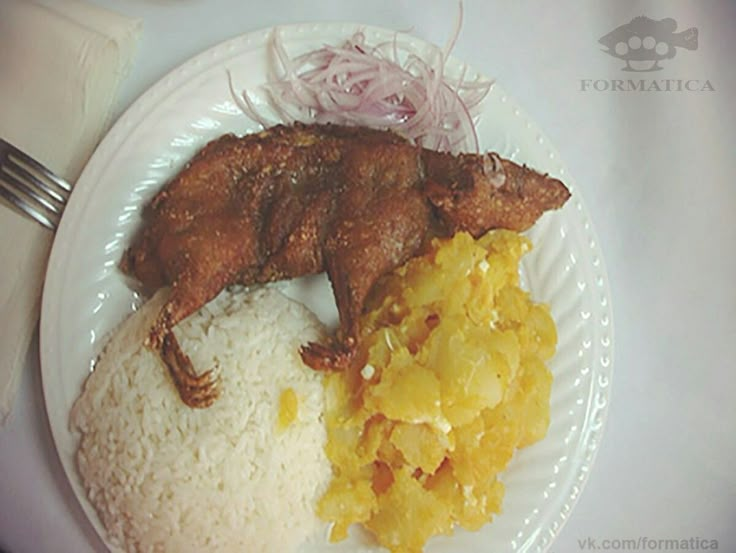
x,y
657,172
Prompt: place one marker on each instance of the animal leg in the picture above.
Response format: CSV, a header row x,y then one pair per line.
x,y
211,264
359,251
196,391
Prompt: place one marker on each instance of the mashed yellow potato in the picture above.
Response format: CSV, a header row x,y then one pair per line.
x,y
453,381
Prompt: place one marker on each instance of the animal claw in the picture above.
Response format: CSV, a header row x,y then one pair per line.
x,y
201,399
197,391
322,357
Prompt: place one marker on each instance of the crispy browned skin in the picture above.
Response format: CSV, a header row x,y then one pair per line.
x,y
302,199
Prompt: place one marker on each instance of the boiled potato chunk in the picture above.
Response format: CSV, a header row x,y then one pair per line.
x,y
421,445
408,515
406,392
347,501
455,382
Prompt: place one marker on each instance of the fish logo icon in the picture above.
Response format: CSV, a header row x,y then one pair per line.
x,y
643,42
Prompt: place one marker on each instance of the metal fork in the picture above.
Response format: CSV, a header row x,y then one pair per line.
x,y
31,187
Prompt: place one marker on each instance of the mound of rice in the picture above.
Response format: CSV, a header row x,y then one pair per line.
x,y
164,477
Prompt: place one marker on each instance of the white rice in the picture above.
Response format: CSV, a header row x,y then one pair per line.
x,y
164,477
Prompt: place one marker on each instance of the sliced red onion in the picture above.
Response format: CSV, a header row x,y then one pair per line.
x,y
358,84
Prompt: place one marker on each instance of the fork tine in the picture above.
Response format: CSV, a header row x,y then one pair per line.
x,y
18,184
26,159
26,208
30,187
26,175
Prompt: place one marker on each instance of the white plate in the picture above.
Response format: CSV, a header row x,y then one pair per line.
x,y
85,296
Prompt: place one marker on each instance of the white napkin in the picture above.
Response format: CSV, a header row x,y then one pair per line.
x,y
60,64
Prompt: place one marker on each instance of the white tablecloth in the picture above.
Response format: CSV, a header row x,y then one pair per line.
x,y
657,172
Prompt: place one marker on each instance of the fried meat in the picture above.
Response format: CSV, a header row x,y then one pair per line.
x,y
302,199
